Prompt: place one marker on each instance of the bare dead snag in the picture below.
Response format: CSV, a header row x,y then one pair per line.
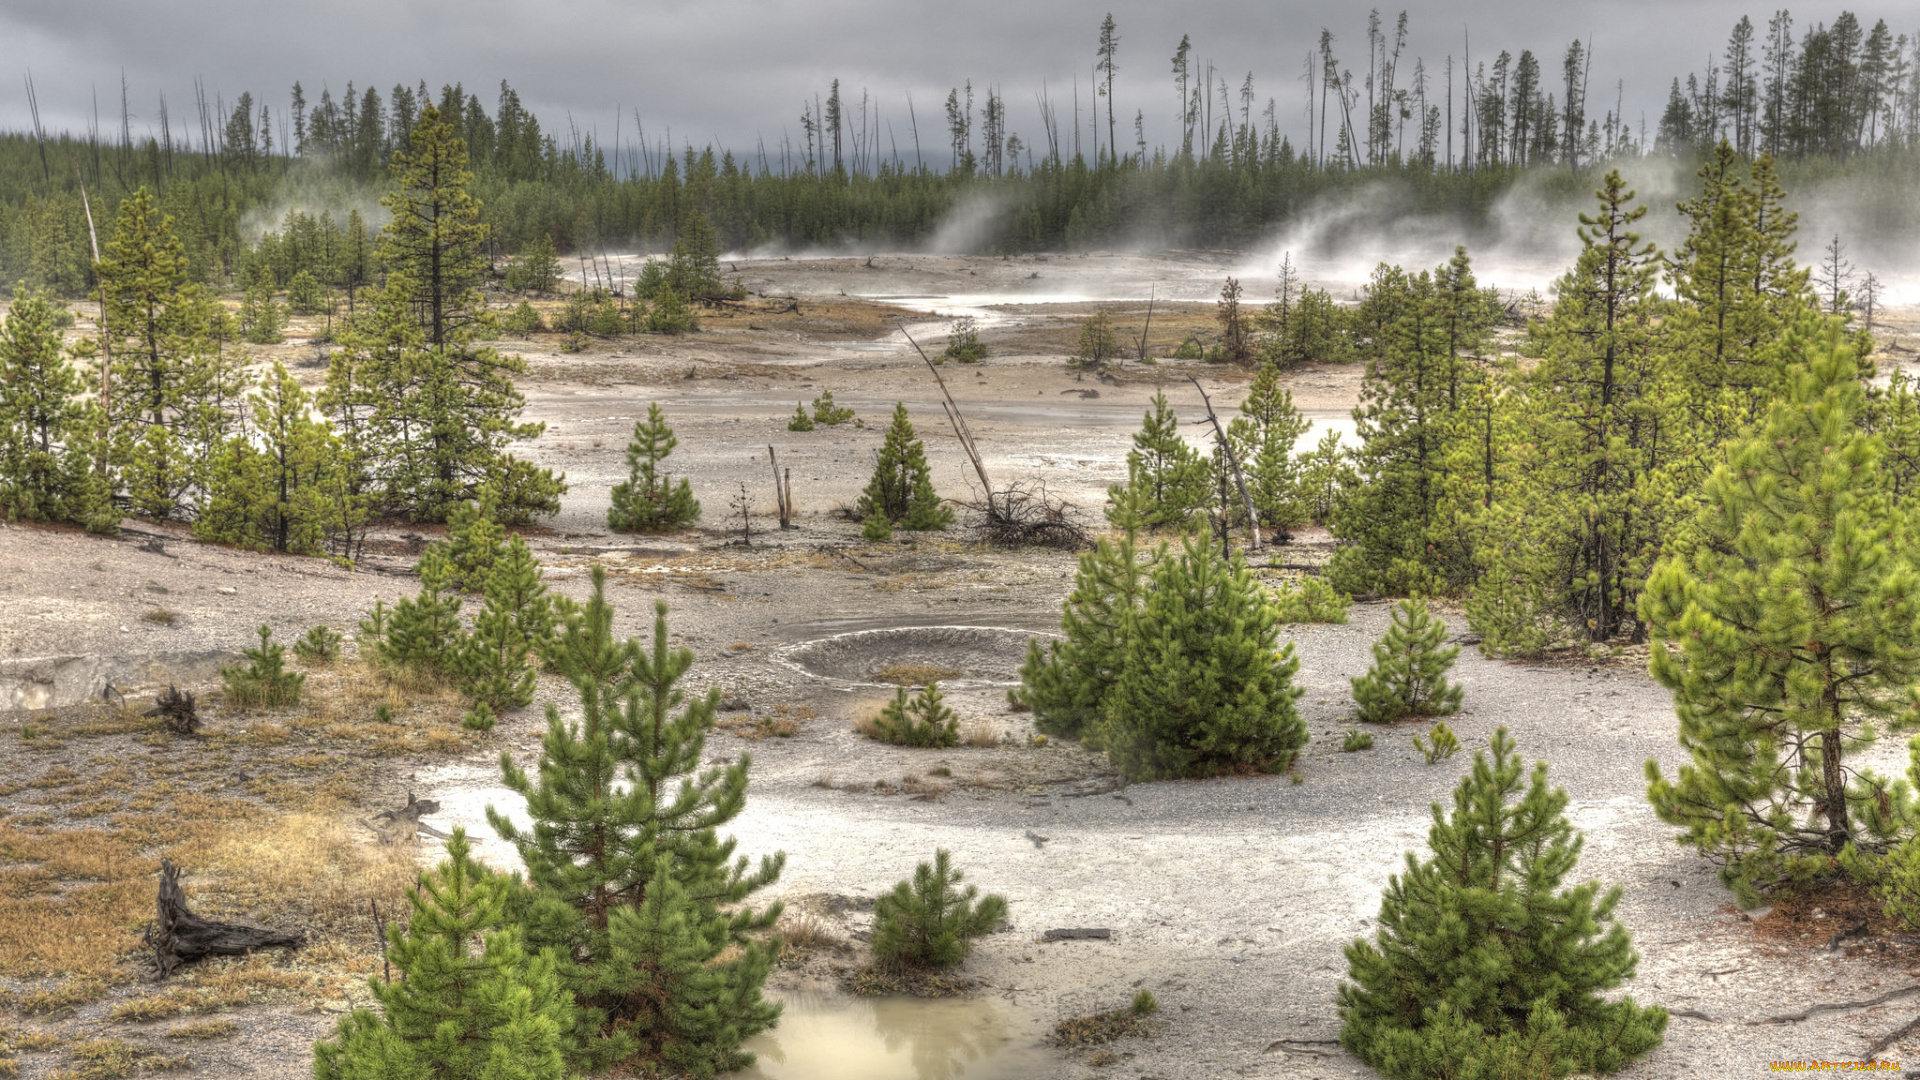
x,y
403,826
178,936
1233,461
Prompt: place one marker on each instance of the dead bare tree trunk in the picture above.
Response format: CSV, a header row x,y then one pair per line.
x,y
1233,462
1147,329
106,347
960,429
780,492
178,936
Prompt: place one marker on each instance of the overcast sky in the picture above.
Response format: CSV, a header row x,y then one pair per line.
x,y
734,70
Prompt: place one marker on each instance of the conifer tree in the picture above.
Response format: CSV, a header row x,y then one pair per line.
x,y
1172,479
475,541
538,268
47,430
1204,685
1263,437
171,393
634,892
1483,966
430,413
694,268
1409,672
280,484
423,631
650,501
930,922
471,1004
1786,629
495,662
902,486
800,421
1066,681
1600,489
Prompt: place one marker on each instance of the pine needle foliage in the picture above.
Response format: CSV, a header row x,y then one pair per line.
x,y
902,486
1174,481
1066,681
930,921
475,541
1787,631
650,501
637,896
320,647
826,412
1204,685
495,663
1409,673
265,681
47,431
1483,966
1439,745
800,421
923,720
1310,600
422,632
472,1002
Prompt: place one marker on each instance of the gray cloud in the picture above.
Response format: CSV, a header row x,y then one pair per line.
x,y
734,71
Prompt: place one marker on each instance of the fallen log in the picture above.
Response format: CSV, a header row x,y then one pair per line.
x,y
1100,933
403,826
178,936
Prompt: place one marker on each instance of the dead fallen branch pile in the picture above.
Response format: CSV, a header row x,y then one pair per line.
x,y
1026,515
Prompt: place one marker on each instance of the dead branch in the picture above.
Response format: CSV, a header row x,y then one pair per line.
x,y
178,708
403,826
960,429
1233,462
1027,515
1872,1052
178,936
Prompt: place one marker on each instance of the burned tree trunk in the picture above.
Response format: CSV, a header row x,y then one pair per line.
x,y
403,826
178,936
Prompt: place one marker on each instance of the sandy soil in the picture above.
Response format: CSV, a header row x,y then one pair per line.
x,y
1231,899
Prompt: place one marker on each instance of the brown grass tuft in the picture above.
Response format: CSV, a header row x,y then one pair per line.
x,y
159,617
202,1030
915,674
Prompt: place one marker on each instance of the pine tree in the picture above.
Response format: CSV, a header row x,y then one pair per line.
x,y
475,541
923,720
650,501
495,662
1263,439
280,484
428,412
1174,482
423,632
902,486
930,922
261,320
1483,966
1066,681
47,429
694,268
537,269
1409,673
1786,630
169,400
459,1012
634,891
1204,685
801,421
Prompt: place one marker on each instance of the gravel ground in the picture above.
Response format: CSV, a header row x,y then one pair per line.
x,y
1230,898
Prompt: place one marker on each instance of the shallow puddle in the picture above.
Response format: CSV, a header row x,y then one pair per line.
x,y
823,1037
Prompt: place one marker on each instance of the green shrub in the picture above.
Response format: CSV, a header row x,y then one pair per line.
x,y
1483,966
650,501
902,484
1442,746
876,529
1356,740
963,342
265,682
1310,600
826,412
303,294
1189,350
1409,673
321,646
575,342
1145,1004
801,421
479,718
929,922
924,720
523,320
1097,344
667,313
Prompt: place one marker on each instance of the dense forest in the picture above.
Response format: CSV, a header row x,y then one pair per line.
x,y
1839,99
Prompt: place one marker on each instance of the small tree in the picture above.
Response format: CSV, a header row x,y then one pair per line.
x,y
963,342
304,296
650,501
1409,673
537,269
800,421
46,466
422,633
826,412
924,720
930,922
1483,966
495,662
1173,480
1204,685
1787,629
1236,331
636,894
457,1012
1263,436
265,682
1066,682
1097,344
902,486
262,321
475,541
1310,600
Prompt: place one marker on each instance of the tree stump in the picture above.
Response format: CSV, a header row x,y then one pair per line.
x,y
403,826
178,936
182,716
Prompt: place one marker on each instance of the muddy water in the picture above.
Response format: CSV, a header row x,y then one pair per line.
x,y
824,1037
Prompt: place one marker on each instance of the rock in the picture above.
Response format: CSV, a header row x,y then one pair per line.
x,y
228,590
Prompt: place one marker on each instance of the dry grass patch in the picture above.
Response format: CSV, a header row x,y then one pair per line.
x,y
803,930
159,617
113,1059
310,870
201,1030
979,734
1104,1027
70,901
915,674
